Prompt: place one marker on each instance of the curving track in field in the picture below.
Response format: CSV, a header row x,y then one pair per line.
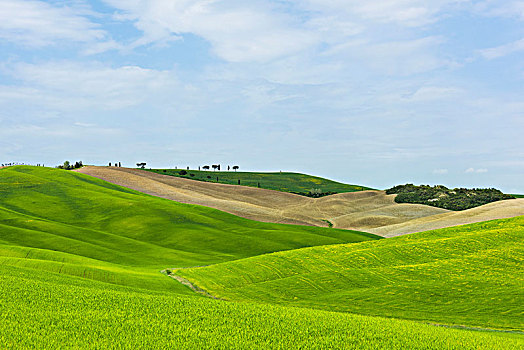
x,y
371,211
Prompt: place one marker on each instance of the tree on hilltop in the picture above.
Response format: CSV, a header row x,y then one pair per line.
x,y
235,168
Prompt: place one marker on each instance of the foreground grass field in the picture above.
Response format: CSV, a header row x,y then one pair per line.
x,y
281,181
467,275
49,310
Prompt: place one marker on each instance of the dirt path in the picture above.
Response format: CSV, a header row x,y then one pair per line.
x,y
370,211
186,282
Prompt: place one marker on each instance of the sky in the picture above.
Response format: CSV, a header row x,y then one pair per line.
x,y
377,93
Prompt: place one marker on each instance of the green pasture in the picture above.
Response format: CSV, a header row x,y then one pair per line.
x,y
45,310
279,181
466,275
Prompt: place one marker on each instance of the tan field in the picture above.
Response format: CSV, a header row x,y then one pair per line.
x,y
497,210
370,211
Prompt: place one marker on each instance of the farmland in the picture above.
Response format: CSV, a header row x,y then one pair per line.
x,y
49,310
71,223
467,275
370,211
279,181
80,262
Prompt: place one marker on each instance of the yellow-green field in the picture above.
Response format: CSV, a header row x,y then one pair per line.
x,y
466,275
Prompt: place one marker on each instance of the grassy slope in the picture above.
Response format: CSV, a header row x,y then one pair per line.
x,y
469,275
71,223
48,310
63,236
518,195
285,182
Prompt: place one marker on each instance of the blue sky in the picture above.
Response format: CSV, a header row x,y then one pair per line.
x,y
377,93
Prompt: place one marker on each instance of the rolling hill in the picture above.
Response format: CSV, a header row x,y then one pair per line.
x,y
72,223
370,211
466,275
80,261
279,181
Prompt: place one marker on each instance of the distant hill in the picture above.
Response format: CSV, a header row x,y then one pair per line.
x,y
466,275
361,210
370,211
303,184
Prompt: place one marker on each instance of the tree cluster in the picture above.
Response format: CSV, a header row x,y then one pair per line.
x,y
68,166
217,167
443,197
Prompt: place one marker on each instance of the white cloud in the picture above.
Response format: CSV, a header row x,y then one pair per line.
x,y
409,13
428,93
503,50
500,8
238,31
37,23
440,171
477,171
71,85
404,57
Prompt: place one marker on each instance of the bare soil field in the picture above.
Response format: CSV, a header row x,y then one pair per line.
x,y
497,210
370,211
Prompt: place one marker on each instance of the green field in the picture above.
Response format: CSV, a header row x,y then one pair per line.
x,y
72,223
279,181
80,263
518,195
50,310
467,275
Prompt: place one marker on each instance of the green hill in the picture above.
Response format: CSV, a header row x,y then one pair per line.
x,y
302,184
80,261
467,275
72,223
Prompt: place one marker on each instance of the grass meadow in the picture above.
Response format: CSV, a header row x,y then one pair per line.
x,y
80,263
466,275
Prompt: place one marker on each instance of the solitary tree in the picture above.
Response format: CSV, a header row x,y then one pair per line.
x,y
235,168
119,164
141,165
66,165
205,167
228,168
214,166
